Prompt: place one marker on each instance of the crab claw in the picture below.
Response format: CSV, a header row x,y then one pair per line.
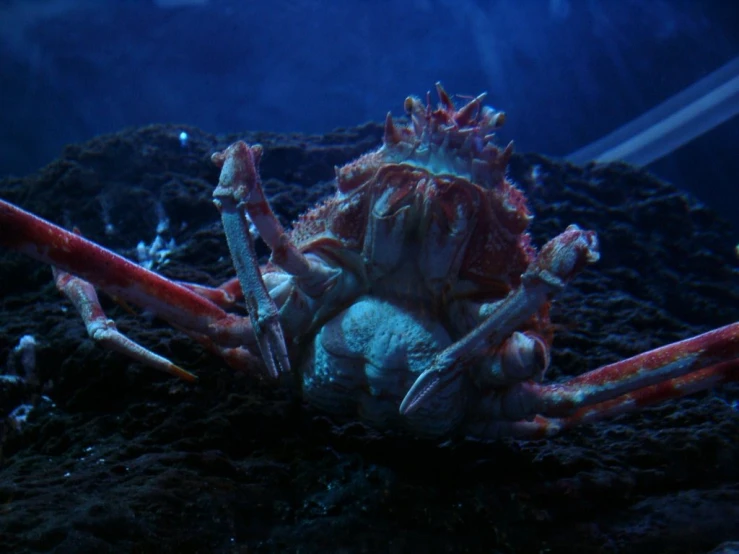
x,y
239,181
427,383
557,263
392,136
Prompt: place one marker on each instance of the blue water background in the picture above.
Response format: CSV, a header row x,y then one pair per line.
x,y
566,71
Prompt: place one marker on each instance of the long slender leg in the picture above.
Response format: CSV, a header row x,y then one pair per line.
x,y
672,370
489,426
541,427
103,330
558,261
239,192
119,277
696,381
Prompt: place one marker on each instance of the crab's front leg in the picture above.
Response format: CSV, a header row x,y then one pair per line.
x,y
672,371
559,260
240,198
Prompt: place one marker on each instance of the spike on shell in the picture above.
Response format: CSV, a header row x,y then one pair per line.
x,y
469,111
392,136
444,97
505,157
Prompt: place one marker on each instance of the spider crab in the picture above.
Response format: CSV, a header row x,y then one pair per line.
x,y
413,297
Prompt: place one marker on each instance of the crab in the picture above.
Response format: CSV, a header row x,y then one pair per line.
x,y
412,298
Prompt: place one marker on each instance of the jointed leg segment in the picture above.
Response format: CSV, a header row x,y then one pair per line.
x,y
79,264
557,263
672,371
239,193
103,330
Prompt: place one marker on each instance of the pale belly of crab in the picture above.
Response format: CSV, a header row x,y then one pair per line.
x,y
364,360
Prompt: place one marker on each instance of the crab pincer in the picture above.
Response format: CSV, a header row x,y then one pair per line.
x,y
559,260
239,191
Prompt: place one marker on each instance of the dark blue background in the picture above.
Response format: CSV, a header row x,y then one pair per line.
x,y
566,71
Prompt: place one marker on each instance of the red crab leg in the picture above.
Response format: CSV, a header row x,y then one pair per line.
x,y
614,380
556,264
103,330
541,427
119,277
672,371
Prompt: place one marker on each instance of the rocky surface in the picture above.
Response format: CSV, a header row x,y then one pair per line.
x,y
119,458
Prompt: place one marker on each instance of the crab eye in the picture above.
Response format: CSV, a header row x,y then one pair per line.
x,y
408,105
